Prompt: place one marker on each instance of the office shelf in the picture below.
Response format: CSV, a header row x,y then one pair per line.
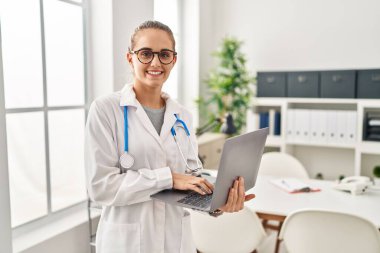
x,y
333,159
327,145
369,147
274,141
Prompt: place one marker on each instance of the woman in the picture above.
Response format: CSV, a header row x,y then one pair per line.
x,y
122,172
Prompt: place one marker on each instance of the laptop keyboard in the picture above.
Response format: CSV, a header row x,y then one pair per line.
x,y
197,200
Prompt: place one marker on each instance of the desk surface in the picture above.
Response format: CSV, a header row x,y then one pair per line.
x,y
272,200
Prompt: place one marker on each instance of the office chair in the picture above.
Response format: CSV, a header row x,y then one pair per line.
x,y
316,231
239,232
279,165
282,165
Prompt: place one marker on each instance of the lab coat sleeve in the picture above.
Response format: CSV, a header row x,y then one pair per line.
x,y
105,184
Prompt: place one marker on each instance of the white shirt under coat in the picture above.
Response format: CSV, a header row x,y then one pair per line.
x,y
131,221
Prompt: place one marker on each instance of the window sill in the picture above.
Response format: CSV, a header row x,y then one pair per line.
x,y
44,232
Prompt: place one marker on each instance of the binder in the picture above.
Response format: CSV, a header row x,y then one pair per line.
x,y
297,126
351,126
302,125
277,123
290,131
314,126
331,126
322,126
305,125
264,119
341,125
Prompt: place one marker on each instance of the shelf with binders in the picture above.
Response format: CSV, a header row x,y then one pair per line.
x,y
335,143
262,116
322,125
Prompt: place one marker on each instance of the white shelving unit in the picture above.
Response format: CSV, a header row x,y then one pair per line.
x,y
330,159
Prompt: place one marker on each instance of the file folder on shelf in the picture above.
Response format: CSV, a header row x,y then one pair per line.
x,y
264,119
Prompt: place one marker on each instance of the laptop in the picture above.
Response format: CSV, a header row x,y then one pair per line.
x,y
241,156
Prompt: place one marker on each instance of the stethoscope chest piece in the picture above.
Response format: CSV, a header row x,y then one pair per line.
x,y
126,160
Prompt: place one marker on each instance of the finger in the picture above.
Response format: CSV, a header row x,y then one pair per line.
x,y
249,197
196,189
241,195
210,185
207,185
201,183
235,206
204,188
230,200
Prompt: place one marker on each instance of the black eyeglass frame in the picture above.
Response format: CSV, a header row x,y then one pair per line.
x,y
136,52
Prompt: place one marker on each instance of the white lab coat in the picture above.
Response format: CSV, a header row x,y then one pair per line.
x,y
131,221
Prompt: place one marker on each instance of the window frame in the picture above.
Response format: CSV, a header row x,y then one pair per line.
x,y
50,216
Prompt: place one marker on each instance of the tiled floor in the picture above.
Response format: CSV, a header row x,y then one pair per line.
x,y
268,245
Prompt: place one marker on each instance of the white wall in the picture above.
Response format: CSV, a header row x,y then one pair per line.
x,y
111,23
189,57
299,34
127,15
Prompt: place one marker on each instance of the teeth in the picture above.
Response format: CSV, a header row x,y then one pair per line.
x,y
154,72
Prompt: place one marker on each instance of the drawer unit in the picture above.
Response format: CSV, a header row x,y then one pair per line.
x,y
303,84
271,84
338,84
369,83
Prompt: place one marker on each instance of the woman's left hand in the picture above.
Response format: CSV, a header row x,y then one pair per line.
x,y
236,197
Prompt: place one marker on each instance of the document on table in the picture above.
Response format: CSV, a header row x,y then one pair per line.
x,y
293,185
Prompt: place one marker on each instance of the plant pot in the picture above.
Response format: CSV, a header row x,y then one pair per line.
x,y
376,181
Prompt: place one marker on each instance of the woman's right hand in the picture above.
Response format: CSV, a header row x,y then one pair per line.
x,y
188,182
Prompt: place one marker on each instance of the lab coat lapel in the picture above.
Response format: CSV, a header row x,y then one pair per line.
x,y
169,119
128,98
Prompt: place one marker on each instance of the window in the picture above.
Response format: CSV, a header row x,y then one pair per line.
x,y
45,103
166,11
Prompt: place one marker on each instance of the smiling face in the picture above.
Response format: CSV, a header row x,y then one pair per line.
x,y
154,74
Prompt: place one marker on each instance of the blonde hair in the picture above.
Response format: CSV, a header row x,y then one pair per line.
x,y
151,24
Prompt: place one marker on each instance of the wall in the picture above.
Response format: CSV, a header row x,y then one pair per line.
x,y
127,15
111,24
299,35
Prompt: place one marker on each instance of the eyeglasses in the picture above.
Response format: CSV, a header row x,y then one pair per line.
x,y
146,56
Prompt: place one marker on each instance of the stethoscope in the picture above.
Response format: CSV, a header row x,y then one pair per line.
x,y
127,160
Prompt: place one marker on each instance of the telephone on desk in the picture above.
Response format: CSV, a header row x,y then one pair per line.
x,y
355,184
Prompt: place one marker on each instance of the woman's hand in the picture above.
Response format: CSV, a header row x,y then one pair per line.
x,y
188,182
236,197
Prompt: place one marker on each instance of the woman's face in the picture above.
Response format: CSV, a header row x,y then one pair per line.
x,y
153,74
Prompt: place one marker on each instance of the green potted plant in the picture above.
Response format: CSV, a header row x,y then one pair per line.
x,y
229,89
376,174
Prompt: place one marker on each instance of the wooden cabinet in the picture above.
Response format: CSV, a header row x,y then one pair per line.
x,y
210,147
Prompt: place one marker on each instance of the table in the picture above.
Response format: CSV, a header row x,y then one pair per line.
x,y
275,203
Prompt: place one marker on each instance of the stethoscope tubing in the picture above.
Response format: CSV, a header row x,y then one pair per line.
x,y
189,170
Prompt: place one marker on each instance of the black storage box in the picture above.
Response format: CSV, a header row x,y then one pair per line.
x,y
369,83
303,84
338,84
271,84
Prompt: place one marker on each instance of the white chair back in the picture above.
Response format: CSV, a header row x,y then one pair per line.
x,y
231,232
316,231
282,165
